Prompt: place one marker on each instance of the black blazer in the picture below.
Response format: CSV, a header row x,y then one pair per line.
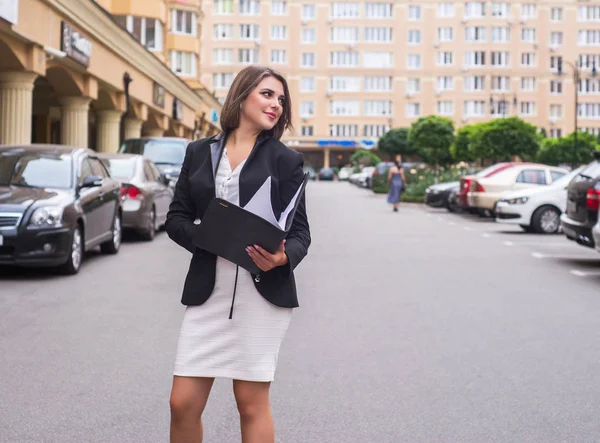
x,y
196,187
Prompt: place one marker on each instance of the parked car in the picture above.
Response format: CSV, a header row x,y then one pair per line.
x,y
440,195
326,174
56,202
536,209
345,173
486,191
379,177
583,203
145,192
167,153
312,174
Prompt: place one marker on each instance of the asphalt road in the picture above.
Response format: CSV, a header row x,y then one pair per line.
x,y
417,326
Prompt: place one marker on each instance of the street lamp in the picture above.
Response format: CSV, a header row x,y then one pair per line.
x,y
503,103
576,78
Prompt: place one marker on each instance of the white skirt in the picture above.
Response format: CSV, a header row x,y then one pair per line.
x,y
245,347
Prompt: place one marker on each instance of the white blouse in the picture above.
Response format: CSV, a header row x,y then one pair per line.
x,y
227,181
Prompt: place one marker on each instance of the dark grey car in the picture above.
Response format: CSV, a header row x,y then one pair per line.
x,y
145,192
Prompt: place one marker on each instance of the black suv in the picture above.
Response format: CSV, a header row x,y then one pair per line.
x,y
583,203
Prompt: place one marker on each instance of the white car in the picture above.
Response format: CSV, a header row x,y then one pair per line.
x,y
536,209
345,173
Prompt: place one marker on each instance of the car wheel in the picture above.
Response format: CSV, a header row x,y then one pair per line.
x,y
546,220
73,263
149,233
112,246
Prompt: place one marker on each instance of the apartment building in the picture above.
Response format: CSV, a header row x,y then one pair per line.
x,y
358,68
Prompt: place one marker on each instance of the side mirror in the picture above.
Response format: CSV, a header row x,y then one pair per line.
x,y
91,181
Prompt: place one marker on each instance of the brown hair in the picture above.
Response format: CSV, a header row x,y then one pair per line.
x,y
243,84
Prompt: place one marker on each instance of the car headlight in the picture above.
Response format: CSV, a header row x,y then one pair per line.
x,y
46,217
517,201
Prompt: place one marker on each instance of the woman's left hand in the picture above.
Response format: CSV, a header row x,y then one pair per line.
x,y
265,260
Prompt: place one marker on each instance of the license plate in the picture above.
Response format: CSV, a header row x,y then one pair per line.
x,y
1,240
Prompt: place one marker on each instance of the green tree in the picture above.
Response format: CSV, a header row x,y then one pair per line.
x,y
505,138
364,158
461,148
395,142
431,137
555,151
543,133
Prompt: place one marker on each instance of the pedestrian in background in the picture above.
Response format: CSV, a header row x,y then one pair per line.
x,y
395,182
234,322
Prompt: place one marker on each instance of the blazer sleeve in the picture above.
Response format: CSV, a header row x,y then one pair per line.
x,y
182,213
298,239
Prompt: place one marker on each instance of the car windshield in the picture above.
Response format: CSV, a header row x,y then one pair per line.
x,y
161,152
36,170
123,168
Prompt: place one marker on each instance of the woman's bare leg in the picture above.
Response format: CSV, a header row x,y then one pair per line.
x,y
254,406
188,400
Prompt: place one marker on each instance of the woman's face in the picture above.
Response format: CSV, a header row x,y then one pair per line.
x,y
264,105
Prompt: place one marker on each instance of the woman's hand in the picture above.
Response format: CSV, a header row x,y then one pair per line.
x,y
265,260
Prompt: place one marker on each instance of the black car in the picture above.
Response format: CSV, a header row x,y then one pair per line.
x,y
442,195
583,198
167,153
326,174
55,203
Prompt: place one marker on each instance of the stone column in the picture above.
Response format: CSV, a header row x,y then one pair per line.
x,y
133,128
326,156
155,132
16,107
108,125
74,121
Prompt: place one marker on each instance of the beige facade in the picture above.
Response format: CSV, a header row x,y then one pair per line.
x,y
359,68
70,75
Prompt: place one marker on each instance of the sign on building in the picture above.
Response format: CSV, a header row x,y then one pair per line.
x,y
75,44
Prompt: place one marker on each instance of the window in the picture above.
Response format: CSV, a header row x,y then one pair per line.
x,y
556,87
589,14
588,61
307,60
183,22
307,131
184,63
345,10
475,58
556,14
222,80
555,62
556,175
475,34
595,131
445,83
378,108
377,59
414,13
223,32
500,10
379,10
378,35
527,109
414,61
445,107
500,84
528,35
589,37
474,83
556,112
413,110
249,7
500,59
532,176
278,32
249,32
343,130
344,84
413,85
343,34
589,86
556,38
248,56
445,58
147,31
528,11
375,130
500,34
445,10
528,84
343,59
555,132
414,36
307,84
474,108
309,36
474,9
528,60
378,84
223,7
307,109
309,12
222,56
278,7
279,56
445,34
344,108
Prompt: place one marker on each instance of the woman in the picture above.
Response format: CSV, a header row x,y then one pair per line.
x,y
395,182
234,322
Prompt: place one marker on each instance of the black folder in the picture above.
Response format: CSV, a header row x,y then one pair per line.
x,y
227,230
